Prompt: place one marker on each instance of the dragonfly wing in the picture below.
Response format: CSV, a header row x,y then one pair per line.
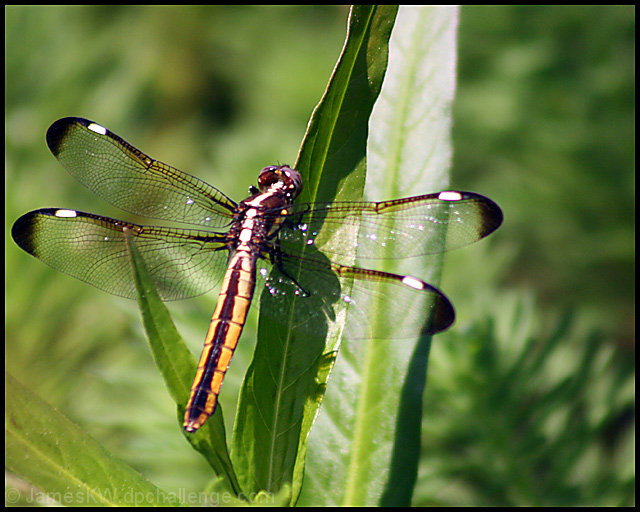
x,y
127,178
325,291
182,263
400,228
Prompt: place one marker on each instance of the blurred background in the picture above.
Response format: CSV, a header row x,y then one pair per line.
x,y
530,398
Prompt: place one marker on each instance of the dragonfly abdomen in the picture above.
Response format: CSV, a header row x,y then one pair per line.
x,y
278,186
222,337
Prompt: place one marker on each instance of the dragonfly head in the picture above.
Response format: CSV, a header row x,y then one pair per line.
x,y
280,177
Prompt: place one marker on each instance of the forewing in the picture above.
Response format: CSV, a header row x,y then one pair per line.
x,y
127,178
401,228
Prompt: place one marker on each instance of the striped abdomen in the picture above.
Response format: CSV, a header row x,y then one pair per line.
x,y
225,329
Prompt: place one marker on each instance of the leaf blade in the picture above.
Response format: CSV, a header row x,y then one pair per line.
x,y
365,445
277,409
59,458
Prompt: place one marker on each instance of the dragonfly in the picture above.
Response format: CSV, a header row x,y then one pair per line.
x,y
237,243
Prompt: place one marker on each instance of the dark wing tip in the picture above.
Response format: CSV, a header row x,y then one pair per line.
x,y
442,315
492,216
25,230
22,232
59,130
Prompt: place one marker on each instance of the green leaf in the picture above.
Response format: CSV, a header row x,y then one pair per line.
x,y
65,463
177,365
365,446
285,382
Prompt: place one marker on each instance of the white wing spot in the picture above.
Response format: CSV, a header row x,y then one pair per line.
x,y
450,196
66,213
413,282
97,128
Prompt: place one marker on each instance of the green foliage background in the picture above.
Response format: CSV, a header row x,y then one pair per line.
x,y
530,395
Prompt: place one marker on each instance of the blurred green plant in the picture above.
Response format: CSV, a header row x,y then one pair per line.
x,y
545,118
518,415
